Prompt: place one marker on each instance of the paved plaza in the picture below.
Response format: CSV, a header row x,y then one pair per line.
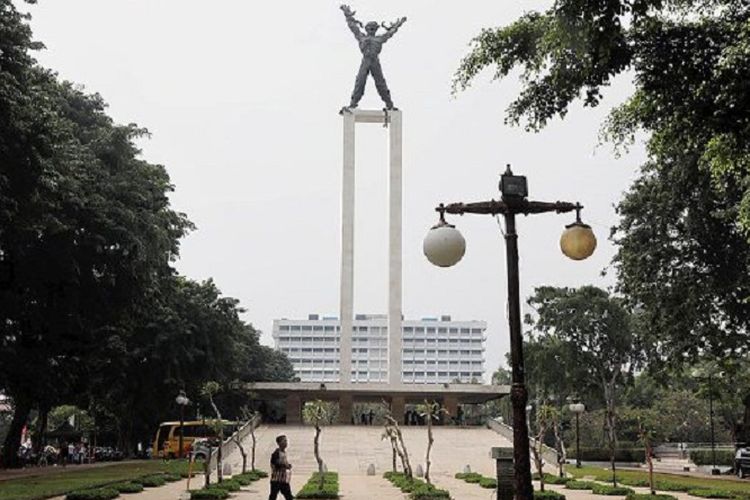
x,y
349,450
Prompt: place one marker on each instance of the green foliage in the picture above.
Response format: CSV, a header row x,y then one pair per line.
x,y
128,487
488,482
170,478
548,495
151,481
93,312
227,484
705,457
648,496
319,413
211,494
711,493
97,494
604,489
579,485
313,489
621,455
416,488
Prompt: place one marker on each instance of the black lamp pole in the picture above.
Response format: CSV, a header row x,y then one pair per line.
x,y
714,470
514,192
182,429
578,444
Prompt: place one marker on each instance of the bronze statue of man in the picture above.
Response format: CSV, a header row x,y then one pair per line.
x,y
370,44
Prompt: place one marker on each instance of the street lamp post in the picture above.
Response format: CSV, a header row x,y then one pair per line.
x,y
577,409
444,246
182,401
714,470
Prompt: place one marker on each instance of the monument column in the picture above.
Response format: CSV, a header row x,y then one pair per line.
x,y
346,319
293,409
394,258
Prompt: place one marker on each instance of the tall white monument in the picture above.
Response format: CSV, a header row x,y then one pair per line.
x,y
392,119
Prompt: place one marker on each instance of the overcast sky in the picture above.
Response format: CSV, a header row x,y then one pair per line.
x,y
242,100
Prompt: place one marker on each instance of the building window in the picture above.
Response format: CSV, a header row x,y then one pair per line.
x,y
284,328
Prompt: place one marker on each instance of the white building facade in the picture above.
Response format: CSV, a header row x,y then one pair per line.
x,y
434,350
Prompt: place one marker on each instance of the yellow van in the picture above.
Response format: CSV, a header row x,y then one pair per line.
x,y
167,440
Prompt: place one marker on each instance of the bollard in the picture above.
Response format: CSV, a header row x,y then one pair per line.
x,y
467,469
420,470
371,470
504,459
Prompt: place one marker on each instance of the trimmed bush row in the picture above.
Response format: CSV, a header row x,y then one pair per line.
x,y
648,496
95,494
208,494
551,478
128,487
135,485
548,495
711,493
312,488
704,457
605,489
579,485
475,477
635,455
416,488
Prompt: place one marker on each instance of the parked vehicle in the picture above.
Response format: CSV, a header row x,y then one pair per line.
x,y
742,462
167,441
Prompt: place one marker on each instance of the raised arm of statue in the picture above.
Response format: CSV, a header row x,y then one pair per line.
x,y
392,29
352,22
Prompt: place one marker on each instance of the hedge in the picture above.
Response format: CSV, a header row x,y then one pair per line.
x,y
227,484
312,488
579,485
95,494
128,487
151,481
632,455
711,493
416,488
170,477
648,496
488,482
548,495
605,489
704,457
208,494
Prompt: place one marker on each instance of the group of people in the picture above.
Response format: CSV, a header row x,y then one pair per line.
x,y
73,453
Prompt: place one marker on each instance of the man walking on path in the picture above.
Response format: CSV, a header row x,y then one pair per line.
x,y
281,471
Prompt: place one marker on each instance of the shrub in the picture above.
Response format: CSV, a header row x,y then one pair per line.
x,y
672,486
261,474
128,487
711,493
95,494
704,457
151,481
417,489
243,480
312,488
488,482
605,489
171,477
548,495
227,484
208,494
552,479
633,481
635,455
648,496
579,485
472,477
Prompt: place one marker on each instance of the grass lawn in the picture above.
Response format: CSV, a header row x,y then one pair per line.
x,y
70,479
601,474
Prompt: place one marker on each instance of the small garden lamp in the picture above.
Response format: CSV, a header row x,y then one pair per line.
x,y
182,401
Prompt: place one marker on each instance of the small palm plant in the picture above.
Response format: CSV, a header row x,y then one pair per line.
x,y
318,413
430,411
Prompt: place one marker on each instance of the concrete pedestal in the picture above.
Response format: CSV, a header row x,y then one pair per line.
x,y
346,404
450,403
398,408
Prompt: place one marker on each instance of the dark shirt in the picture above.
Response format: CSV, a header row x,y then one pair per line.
x,y
279,467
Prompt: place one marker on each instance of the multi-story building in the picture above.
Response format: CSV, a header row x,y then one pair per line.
x,y
433,350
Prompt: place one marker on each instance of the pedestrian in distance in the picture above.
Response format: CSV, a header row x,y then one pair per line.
x,y
281,471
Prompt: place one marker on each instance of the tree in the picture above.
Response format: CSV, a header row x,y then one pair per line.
x,y
208,391
318,413
430,411
545,415
683,257
597,326
392,427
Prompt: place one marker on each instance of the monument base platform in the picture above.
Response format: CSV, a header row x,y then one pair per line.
x,y
397,396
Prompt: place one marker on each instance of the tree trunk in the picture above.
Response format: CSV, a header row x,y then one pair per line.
x,y
252,458
650,468
429,447
316,449
238,442
207,466
560,448
13,438
393,449
41,429
219,472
